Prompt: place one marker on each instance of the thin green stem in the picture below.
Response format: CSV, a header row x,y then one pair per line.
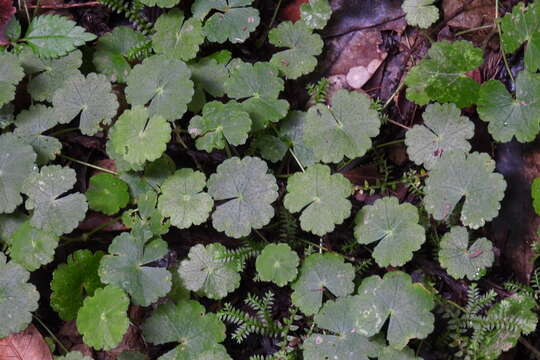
x,y
390,143
63,131
228,149
391,98
484,27
503,53
88,164
297,160
51,334
274,15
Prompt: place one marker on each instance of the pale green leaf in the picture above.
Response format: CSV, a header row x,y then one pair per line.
x,y
343,130
49,75
18,298
139,137
183,200
161,3
264,111
292,127
31,124
157,171
188,324
111,50
176,36
277,263
462,260
53,212
319,272
303,47
31,247
394,297
127,267
254,80
52,35
521,26
271,148
91,97
394,226
163,83
510,117
210,75
316,13
73,281
103,319
16,164
459,175
107,193
248,192
444,130
421,13
321,197
11,72
233,20
206,272
220,124
340,318
441,75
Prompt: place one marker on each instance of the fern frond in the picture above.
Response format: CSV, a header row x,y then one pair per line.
x,y
131,13
140,51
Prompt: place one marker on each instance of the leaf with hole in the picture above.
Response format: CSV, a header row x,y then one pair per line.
x,y
182,199
248,192
319,272
320,197
444,130
462,260
91,97
343,130
459,175
394,227
53,212
205,271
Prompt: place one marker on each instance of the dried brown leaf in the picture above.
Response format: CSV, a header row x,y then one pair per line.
x,y
25,345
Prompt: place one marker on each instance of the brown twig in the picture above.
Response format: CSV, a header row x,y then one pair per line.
x,y
64,6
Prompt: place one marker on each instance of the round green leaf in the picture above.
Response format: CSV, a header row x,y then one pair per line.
x,y
321,197
343,130
321,271
444,130
107,193
177,37
91,97
73,355
220,123
138,138
161,3
73,281
127,267
394,297
303,47
31,247
508,116
459,259
49,75
162,82
316,13
111,49
103,318
205,271
18,298
16,164
292,127
210,75
459,175
248,192
264,111
259,80
421,13
53,213
277,263
394,226
183,200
